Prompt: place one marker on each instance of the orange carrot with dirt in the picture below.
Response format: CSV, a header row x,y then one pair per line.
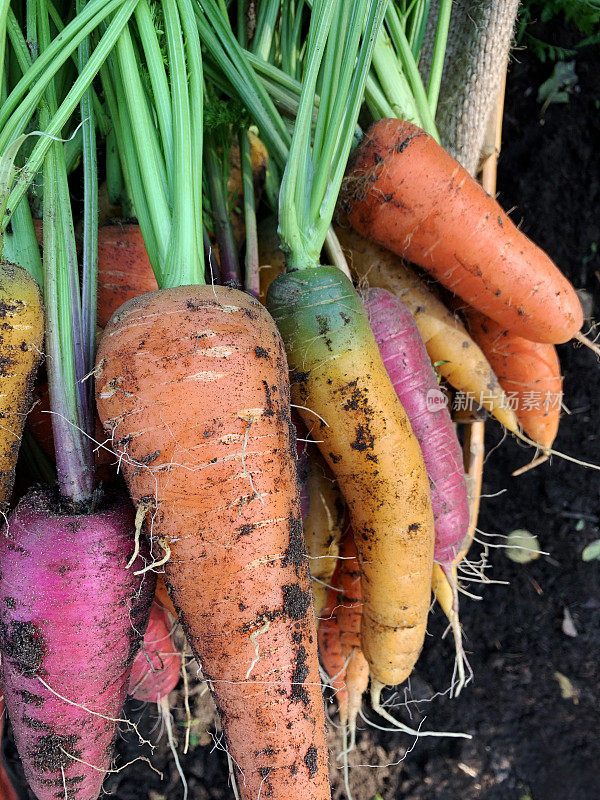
x,y
529,373
406,193
330,648
241,568
192,386
349,618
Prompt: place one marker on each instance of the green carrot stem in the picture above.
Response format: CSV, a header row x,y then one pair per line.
x,y
411,70
4,7
183,264
268,11
393,81
114,173
218,38
20,242
439,54
196,107
293,222
309,190
90,220
101,118
70,102
158,79
14,113
149,158
64,345
418,13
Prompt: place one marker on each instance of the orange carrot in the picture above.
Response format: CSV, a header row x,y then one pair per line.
x,y
349,618
529,373
406,193
124,269
162,596
192,385
330,649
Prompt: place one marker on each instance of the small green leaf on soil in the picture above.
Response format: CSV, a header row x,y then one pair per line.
x,y
559,85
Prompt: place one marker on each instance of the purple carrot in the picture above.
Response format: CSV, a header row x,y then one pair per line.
x,y
7,790
408,365
71,620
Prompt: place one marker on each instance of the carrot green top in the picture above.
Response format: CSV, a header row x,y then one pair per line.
x,y
70,314
340,45
155,99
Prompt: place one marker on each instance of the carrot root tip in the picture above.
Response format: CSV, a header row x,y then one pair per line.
x,y
587,343
376,688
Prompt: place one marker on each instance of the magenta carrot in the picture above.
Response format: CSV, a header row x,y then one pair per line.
x,y
66,643
408,365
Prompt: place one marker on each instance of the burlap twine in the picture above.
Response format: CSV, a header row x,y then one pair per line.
x,y
479,39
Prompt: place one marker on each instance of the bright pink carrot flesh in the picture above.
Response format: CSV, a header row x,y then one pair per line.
x,y
413,377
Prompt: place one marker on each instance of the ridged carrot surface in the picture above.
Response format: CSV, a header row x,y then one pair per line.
x,y
406,193
192,384
529,373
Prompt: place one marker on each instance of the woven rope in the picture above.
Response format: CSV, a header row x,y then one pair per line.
x,y
479,39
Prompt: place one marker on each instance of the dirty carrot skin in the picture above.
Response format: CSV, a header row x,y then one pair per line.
x,y
406,193
219,471
367,441
7,791
415,381
457,357
66,660
349,618
323,527
21,347
528,371
330,649
124,269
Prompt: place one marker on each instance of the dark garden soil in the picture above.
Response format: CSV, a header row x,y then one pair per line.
x,y
529,741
